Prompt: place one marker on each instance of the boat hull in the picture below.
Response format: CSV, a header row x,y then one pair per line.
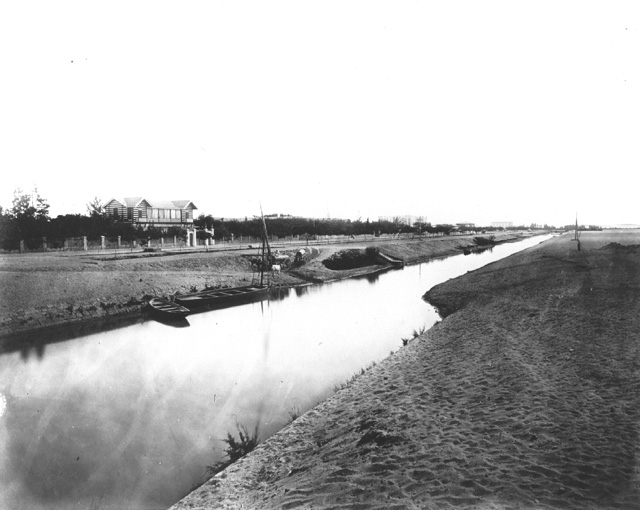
x,y
223,298
167,310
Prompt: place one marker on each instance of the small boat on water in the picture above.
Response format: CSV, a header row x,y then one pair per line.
x,y
389,260
167,310
210,299
221,298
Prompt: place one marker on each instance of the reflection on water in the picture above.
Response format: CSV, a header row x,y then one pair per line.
x,y
301,291
130,418
372,278
34,342
37,349
174,323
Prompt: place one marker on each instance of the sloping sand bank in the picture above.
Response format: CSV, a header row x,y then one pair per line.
x,y
526,396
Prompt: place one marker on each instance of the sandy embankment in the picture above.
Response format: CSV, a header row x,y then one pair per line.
x,y
57,290
526,396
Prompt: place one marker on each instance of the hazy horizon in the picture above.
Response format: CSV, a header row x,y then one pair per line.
x,y
459,112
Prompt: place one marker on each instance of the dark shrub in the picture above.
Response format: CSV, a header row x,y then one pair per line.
x,y
372,252
485,241
10,244
350,259
236,449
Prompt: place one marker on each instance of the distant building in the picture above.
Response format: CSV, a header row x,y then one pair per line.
x,y
463,226
406,219
158,213
502,224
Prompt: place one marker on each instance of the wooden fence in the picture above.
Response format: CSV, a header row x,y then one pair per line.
x,y
109,244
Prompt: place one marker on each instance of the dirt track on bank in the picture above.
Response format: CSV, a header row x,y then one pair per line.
x,y
61,289
526,396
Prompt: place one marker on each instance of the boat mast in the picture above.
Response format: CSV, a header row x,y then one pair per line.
x,y
265,246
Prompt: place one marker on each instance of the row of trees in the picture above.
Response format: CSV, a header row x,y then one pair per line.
x,y
28,220
283,226
582,227
296,226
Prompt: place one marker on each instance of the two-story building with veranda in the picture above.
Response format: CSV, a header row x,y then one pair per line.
x,y
145,212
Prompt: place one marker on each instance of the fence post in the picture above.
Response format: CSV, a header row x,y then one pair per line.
x,y
174,241
84,243
102,243
44,244
119,241
21,245
162,242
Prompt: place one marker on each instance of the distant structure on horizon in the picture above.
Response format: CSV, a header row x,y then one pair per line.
x,y
622,225
406,219
502,224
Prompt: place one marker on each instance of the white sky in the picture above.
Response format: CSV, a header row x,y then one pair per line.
x,y
459,111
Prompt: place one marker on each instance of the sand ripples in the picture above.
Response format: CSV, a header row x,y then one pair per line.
x,y
515,401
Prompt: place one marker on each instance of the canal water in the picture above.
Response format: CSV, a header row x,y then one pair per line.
x,y
130,418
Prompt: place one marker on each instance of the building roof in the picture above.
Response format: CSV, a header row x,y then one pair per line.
x,y
183,204
132,201
160,204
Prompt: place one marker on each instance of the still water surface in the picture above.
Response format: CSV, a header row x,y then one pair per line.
x,y
130,418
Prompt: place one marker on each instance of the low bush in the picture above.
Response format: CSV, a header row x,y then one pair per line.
x,y
372,251
294,414
351,259
236,448
484,241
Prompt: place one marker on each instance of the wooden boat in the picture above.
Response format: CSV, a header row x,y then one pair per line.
x,y
222,298
167,310
389,260
210,299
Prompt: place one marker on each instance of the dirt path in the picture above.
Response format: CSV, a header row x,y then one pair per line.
x,y
526,396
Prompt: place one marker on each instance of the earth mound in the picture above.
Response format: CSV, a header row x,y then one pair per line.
x,y
622,248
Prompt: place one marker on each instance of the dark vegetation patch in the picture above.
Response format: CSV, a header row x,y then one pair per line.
x,y
351,259
236,448
622,248
484,241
